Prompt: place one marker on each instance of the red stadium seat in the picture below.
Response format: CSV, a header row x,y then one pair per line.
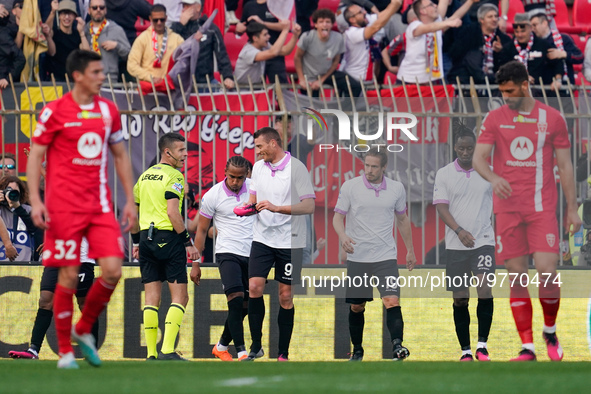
x,y
582,13
561,17
330,4
515,7
580,41
234,45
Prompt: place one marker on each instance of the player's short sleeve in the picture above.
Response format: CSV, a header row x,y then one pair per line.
x,y
488,131
559,134
400,206
207,205
344,200
303,184
252,189
116,127
47,127
175,187
440,195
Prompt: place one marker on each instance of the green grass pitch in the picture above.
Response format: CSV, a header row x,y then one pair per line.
x,y
26,376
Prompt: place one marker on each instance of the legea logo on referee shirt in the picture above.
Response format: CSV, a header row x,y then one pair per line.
x,y
344,129
90,145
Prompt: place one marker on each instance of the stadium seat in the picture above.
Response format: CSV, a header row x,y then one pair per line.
x,y
234,45
330,4
580,41
582,13
515,7
561,17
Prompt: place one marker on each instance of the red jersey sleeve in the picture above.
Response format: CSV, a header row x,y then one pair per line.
x,y
47,126
116,128
488,131
559,133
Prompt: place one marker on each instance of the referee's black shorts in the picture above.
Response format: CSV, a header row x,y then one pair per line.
x,y
164,258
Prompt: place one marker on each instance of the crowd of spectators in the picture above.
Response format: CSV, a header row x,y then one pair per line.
x,y
423,42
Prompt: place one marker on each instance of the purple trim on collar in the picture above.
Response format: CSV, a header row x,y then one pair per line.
x,y
205,215
460,169
435,202
340,211
307,196
401,212
230,193
281,166
370,186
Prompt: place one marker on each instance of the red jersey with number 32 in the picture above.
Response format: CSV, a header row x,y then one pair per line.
x,y
77,138
524,155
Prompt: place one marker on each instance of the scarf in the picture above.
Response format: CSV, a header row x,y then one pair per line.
x,y
488,63
523,53
557,38
433,64
159,55
95,37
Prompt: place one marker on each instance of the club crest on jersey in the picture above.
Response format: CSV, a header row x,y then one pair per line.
x,y
90,145
551,239
522,148
542,127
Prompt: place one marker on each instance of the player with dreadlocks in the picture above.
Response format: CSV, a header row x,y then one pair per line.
x,y
232,248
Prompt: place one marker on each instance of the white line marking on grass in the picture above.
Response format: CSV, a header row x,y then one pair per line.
x,y
249,381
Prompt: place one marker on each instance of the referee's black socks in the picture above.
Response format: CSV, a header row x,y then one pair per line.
x,y
356,324
256,315
395,323
484,312
285,321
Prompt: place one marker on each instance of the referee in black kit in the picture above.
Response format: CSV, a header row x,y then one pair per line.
x,y
162,243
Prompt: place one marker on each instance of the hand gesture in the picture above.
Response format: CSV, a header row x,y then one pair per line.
x,y
497,44
54,5
109,45
3,83
186,15
80,25
47,32
229,83
347,244
193,253
265,204
3,11
554,53
297,29
285,24
135,252
255,18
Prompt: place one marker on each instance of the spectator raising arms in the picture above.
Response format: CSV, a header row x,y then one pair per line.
x,y
252,58
212,43
61,41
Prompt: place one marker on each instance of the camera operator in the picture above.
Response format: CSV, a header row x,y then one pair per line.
x,y
16,215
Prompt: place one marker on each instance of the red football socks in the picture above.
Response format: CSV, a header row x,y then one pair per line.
x,y
522,312
63,307
97,299
550,300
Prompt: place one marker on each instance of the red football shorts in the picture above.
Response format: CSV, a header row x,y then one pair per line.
x,y
64,236
521,234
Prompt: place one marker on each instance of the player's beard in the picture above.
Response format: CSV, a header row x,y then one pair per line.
x,y
515,104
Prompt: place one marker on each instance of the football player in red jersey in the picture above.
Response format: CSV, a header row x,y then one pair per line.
x,y
526,135
75,132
